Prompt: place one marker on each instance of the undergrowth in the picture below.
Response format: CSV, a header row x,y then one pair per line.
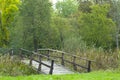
x,y
103,59
13,67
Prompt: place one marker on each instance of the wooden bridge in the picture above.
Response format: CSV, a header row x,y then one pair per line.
x,y
51,61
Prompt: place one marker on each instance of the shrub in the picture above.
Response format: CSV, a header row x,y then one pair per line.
x,y
13,67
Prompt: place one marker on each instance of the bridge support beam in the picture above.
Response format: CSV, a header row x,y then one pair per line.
x,y
62,62
51,69
74,65
39,67
31,58
89,66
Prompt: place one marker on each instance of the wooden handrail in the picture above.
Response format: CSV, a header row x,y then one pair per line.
x,y
64,53
25,50
63,60
39,60
42,63
88,67
9,51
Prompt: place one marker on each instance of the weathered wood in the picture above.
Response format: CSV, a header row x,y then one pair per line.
x,y
89,66
56,56
57,51
39,67
20,54
25,50
62,59
58,69
51,68
31,58
11,52
40,61
74,61
76,64
48,54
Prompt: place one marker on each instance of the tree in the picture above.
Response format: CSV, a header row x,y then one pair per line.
x,y
8,9
63,27
36,21
115,10
95,28
67,7
84,6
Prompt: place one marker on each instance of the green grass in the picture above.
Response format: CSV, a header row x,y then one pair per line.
x,y
100,75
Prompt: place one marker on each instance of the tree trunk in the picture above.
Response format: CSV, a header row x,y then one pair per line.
x,y
35,41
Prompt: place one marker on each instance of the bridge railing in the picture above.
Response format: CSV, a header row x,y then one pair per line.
x,y
6,51
62,56
33,56
25,53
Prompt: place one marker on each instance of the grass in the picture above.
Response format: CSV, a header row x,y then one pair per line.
x,y
102,59
21,71
100,75
13,67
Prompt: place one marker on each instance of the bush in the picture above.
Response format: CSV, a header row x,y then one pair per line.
x,y
13,67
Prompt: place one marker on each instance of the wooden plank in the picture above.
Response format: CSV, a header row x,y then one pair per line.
x,y
48,57
58,69
42,63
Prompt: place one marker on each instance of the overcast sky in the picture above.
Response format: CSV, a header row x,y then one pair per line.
x,y
54,1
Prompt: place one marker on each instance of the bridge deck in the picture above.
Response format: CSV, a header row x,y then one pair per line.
x,y
58,69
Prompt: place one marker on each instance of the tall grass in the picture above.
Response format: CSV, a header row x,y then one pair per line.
x,y
103,59
13,67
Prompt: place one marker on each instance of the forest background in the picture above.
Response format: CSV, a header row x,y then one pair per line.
x,y
87,28
70,25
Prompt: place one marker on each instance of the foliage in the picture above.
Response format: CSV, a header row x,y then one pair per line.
x,y
103,59
13,67
66,8
114,13
74,44
95,28
85,6
36,22
8,9
16,33
38,29
63,29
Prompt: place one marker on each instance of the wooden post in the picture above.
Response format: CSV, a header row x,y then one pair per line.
x,y
39,67
89,66
31,58
12,52
74,63
62,62
20,54
48,55
51,68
